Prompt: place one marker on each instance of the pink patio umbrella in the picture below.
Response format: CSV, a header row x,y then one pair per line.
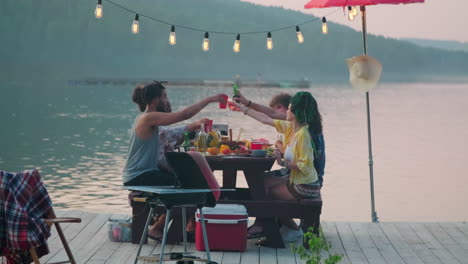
x,y
362,4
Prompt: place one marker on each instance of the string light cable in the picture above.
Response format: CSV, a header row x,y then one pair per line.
x,y
206,45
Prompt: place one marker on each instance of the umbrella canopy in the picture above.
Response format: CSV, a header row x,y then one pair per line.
x,y
332,3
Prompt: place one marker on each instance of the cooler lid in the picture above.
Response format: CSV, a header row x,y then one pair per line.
x,y
225,209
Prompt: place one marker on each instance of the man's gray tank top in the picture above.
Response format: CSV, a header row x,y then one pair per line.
x,y
142,154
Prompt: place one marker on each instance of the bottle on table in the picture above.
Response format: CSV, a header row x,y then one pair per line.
x,y
186,143
201,139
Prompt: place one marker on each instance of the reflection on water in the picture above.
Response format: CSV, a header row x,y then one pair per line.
x,y
78,137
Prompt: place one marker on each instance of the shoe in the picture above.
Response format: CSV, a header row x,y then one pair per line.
x,y
255,231
291,235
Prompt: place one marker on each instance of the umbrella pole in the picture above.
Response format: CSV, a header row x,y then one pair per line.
x,y
371,161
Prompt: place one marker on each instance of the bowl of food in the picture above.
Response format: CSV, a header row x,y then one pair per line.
x,y
259,152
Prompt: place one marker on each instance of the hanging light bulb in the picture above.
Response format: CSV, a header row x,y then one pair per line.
x,y
355,11
236,47
324,25
269,43
172,36
206,42
136,25
350,13
300,38
98,13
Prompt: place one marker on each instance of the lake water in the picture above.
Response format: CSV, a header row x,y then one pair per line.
x,y
77,136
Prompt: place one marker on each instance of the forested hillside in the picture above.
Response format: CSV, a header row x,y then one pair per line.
x,y
61,39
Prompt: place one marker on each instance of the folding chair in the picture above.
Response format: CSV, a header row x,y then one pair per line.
x,y
198,188
25,198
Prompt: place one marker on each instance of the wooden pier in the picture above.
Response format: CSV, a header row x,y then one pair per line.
x,y
391,243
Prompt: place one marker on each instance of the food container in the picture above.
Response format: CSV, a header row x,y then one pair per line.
x,y
119,230
256,145
226,227
259,153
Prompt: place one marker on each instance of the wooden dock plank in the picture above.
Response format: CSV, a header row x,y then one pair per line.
x,y
366,243
350,244
122,254
101,247
463,227
448,242
456,234
416,244
146,250
400,245
72,230
445,256
251,255
332,237
83,237
286,255
383,244
229,257
267,255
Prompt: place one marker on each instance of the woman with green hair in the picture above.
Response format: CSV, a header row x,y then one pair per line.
x,y
298,154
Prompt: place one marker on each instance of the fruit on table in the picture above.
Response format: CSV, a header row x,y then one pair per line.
x,y
225,149
213,151
214,138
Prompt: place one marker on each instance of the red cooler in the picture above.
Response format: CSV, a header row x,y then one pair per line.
x,y
226,227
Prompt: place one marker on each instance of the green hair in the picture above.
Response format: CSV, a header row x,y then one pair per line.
x,y
304,107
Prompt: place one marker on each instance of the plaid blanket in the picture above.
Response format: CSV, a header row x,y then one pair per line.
x,y
24,201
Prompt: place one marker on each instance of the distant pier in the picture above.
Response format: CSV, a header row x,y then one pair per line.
x,y
193,83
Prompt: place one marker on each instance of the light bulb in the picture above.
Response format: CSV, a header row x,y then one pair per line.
x,y
355,11
206,42
300,38
98,13
324,26
236,47
172,36
269,43
136,25
350,13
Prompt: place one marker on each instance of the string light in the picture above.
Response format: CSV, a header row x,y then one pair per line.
x,y
136,25
135,28
350,13
300,38
98,12
172,36
206,42
355,11
236,47
324,25
269,43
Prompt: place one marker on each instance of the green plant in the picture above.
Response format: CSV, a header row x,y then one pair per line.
x,y
316,244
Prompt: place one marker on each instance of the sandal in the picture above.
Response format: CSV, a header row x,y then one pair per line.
x,y
255,231
157,237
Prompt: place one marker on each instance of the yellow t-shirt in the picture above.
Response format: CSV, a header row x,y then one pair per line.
x,y
300,144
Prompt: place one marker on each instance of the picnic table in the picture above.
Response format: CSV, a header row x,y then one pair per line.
x,y
254,197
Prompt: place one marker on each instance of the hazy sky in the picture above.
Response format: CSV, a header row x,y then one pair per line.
x,y
434,19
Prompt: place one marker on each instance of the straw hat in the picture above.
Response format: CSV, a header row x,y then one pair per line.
x,y
364,72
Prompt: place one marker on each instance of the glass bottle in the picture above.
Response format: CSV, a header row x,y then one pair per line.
x,y
201,139
186,143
